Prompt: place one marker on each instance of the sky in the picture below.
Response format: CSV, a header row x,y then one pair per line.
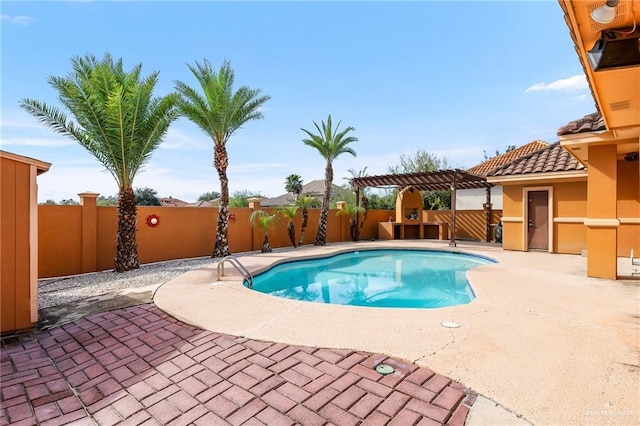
x,y
451,78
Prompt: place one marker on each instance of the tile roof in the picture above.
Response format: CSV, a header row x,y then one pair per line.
x,y
483,169
172,202
314,188
553,158
589,123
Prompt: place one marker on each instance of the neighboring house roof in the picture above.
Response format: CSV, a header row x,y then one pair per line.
x,y
589,123
553,158
483,169
172,202
314,188
202,203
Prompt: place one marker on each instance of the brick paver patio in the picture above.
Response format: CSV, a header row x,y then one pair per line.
x,y
138,365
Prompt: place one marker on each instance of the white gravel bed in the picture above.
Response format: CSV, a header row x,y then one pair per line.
x,y
57,291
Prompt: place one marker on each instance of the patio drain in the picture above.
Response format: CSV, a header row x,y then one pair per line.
x,y
450,324
385,369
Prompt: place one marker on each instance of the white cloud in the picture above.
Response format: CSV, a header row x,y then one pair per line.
x,y
35,141
254,167
178,138
19,19
571,84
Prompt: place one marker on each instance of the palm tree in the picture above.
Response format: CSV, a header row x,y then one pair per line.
x,y
330,144
290,212
117,119
293,184
219,111
266,220
305,202
351,211
364,200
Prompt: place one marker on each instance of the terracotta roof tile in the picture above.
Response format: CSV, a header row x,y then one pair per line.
x,y
589,123
553,158
483,169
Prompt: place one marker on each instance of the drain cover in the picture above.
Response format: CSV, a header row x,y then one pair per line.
x,y
385,369
450,324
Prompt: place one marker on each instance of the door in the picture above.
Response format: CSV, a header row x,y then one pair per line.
x,y
538,220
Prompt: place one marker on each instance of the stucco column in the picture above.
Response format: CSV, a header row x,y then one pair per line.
x,y
89,231
341,205
602,221
254,204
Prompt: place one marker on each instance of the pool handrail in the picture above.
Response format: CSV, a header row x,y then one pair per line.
x,y
236,264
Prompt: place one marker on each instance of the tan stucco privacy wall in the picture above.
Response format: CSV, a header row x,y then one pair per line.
x,y
86,234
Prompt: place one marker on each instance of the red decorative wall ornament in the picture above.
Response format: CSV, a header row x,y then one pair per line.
x,y
153,220
232,218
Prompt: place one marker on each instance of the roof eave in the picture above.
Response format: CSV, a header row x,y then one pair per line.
x,y
573,174
41,166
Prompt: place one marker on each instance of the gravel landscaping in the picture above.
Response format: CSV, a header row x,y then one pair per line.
x,y
61,290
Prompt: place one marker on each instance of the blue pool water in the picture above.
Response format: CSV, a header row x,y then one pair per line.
x,y
380,278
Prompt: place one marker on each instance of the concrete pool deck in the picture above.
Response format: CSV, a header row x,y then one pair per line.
x,y
541,339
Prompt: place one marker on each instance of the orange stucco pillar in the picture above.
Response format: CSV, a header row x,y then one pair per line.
x,y
254,204
89,231
602,222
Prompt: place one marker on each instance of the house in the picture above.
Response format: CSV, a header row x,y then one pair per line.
x,y
474,199
172,202
594,204
544,201
203,203
314,188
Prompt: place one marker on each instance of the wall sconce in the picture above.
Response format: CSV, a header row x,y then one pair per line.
x,y
606,13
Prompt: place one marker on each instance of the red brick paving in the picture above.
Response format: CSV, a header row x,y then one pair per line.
x,y
140,366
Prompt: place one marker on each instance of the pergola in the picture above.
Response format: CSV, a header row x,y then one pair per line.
x,y
431,181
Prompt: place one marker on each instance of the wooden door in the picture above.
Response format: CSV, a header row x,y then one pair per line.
x,y
538,220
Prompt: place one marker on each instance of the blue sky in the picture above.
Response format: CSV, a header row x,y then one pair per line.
x,y
452,78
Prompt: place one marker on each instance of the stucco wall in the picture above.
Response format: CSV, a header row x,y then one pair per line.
x,y
18,286
569,211
473,199
185,232
628,207
512,209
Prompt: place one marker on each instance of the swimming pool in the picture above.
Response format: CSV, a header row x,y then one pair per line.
x,y
393,278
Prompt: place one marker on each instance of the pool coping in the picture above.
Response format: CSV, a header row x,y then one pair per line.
x,y
520,348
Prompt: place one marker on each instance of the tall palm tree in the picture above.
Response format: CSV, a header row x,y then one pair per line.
x,y
293,184
330,144
266,220
119,121
290,212
305,202
219,111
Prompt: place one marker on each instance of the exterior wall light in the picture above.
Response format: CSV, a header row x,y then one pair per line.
x,y
153,220
606,13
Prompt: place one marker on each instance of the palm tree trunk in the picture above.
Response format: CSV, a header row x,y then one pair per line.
x,y
353,228
126,247
303,227
291,230
321,236
266,248
221,161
